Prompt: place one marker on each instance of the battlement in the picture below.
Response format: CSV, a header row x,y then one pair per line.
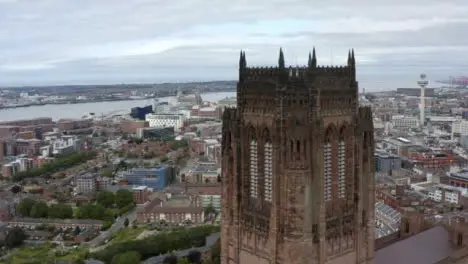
x,y
296,71
333,68
261,71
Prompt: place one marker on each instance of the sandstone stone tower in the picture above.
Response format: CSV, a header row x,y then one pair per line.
x,y
298,177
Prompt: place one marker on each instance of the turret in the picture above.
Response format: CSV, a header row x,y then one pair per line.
x,y
309,63
350,62
281,64
312,59
242,65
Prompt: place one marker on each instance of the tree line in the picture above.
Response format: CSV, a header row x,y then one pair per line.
x,y
39,209
62,162
193,257
158,244
121,199
107,207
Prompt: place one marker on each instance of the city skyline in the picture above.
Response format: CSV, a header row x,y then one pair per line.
x,y
51,42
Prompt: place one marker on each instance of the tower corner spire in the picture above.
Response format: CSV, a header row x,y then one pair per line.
x,y
281,63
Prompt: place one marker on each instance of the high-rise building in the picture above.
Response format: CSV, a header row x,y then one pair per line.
x,y
297,172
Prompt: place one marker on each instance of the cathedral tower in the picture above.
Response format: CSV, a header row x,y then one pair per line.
x,y
298,179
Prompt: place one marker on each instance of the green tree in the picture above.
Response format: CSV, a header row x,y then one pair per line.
x,y
126,222
171,259
25,206
16,189
129,257
15,237
61,162
39,210
106,198
123,198
126,208
77,231
210,209
60,211
123,165
164,159
194,256
159,244
216,254
183,261
107,173
91,211
177,144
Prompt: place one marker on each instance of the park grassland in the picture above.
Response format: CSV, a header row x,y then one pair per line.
x,y
127,234
124,241
46,253
161,243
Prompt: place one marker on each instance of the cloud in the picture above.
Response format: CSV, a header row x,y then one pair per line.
x,y
114,41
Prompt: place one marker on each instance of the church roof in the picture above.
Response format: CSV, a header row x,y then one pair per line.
x,y
428,247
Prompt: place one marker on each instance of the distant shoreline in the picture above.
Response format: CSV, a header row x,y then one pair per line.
x,y
74,102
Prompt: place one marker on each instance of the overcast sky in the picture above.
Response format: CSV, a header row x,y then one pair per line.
x,y
45,42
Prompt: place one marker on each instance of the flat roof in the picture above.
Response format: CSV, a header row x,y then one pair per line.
x,y
404,140
460,175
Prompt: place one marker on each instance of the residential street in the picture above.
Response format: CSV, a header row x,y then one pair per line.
x,y
131,215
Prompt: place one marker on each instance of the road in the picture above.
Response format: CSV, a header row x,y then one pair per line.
x,y
119,224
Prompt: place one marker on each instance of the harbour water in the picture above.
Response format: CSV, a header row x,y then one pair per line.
x,y
60,111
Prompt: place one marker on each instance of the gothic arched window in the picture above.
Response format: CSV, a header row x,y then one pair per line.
x,y
253,165
268,170
327,165
342,163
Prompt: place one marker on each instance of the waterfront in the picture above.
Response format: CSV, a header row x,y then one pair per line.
x,y
79,110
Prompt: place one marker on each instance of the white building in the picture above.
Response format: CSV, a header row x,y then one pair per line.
x,y
460,128
400,122
162,107
210,199
446,193
166,120
60,145
18,165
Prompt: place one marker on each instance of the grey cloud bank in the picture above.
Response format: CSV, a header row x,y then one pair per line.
x,y
46,42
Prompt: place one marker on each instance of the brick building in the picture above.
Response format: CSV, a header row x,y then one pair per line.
x,y
198,112
8,131
433,160
29,147
131,127
458,179
72,124
294,190
141,194
28,122
176,210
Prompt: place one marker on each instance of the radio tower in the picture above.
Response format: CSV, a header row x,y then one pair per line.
x,y
422,83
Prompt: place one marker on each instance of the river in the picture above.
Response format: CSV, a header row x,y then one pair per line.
x,y
59,111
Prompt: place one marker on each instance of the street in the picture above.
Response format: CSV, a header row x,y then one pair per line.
x,y
119,224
